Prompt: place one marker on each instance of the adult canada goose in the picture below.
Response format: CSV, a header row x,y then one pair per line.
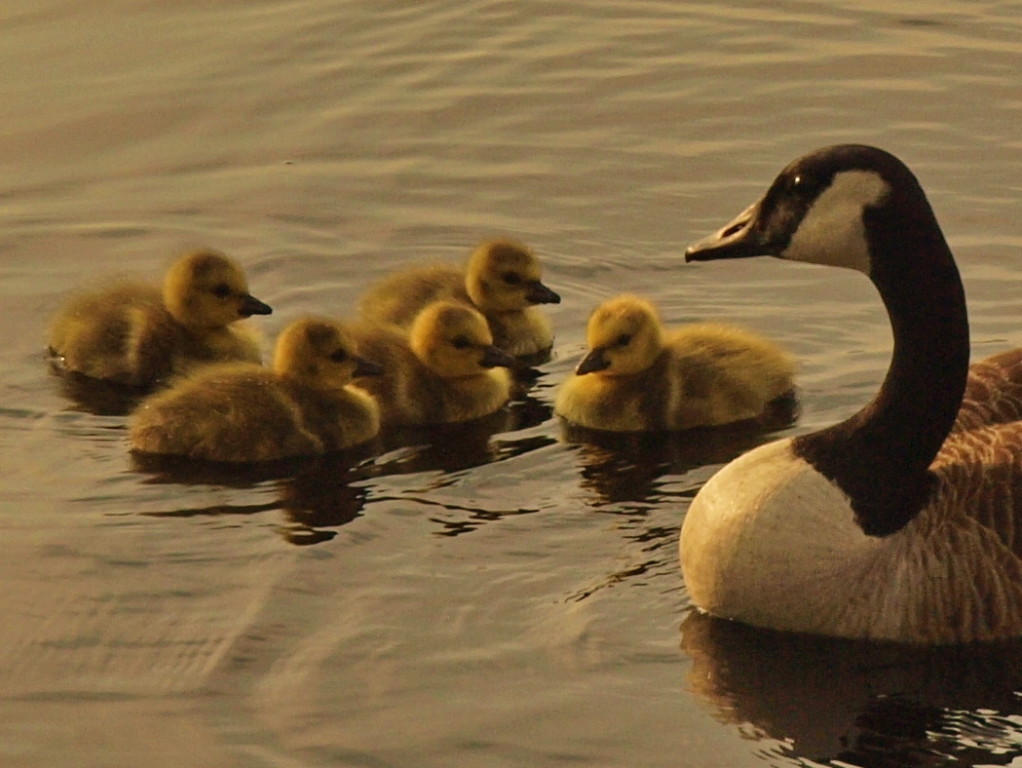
x,y
501,280
141,335
898,523
639,377
244,412
446,369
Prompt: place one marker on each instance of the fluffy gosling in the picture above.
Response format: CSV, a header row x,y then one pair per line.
x,y
501,280
241,412
141,335
639,377
446,369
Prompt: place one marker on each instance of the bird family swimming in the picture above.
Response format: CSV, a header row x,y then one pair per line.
x,y
241,412
638,376
444,369
899,523
502,280
141,335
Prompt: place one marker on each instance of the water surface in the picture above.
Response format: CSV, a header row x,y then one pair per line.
x,y
495,595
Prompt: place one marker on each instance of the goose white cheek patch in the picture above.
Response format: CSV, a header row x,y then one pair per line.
x,y
832,231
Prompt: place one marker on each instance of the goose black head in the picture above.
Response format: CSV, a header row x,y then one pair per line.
x,y
829,207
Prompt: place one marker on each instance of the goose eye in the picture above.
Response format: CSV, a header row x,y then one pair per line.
x,y
221,290
339,356
624,339
461,342
804,185
512,278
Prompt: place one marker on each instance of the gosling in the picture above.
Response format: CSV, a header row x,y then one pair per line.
x,y
446,369
638,377
141,335
501,280
242,412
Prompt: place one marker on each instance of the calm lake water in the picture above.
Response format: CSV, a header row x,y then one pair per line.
x,y
504,594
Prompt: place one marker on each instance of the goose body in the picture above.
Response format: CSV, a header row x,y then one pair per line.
x,y
236,412
142,335
444,369
902,522
502,280
638,376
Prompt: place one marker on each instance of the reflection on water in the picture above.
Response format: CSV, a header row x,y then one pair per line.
x,y
102,398
619,468
625,466
316,494
321,493
317,502
451,448
847,702
631,477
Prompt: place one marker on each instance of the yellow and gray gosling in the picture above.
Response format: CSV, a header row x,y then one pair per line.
x,y
502,280
639,377
237,412
445,369
141,335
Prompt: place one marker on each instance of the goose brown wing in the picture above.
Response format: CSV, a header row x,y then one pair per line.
x,y
980,480
993,392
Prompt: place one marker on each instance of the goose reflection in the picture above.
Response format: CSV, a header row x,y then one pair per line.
x,y
832,701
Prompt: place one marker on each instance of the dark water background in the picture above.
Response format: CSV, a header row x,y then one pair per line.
x,y
501,595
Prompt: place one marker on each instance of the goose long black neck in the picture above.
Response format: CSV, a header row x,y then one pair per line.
x,y
880,456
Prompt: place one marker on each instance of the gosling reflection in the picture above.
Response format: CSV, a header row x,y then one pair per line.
x,y
97,396
625,467
459,446
423,460
315,495
830,701
188,471
321,498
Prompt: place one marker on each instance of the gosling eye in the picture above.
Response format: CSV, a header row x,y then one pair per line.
x,y
624,340
512,278
221,290
461,342
339,356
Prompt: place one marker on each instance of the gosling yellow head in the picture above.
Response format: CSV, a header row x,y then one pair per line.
x,y
206,289
320,353
624,337
504,276
454,340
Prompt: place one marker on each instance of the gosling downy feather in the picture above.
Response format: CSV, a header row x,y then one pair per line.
x,y
243,412
639,377
501,280
141,335
445,369
902,522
